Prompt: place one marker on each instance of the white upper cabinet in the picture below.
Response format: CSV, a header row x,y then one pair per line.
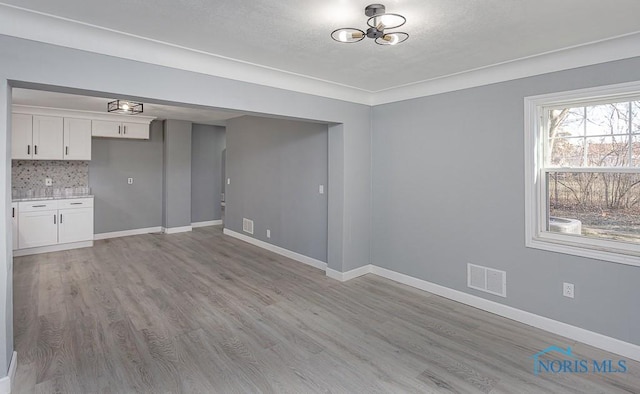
x,y
135,130
36,137
47,137
106,128
111,129
77,139
21,136
59,134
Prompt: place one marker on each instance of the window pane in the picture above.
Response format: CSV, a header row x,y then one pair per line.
x,y
612,151
608,119
636,116
567,122
566,152
635,152
598,205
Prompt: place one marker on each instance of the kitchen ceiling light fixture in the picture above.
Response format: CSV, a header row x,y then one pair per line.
x,y
378,21
124,107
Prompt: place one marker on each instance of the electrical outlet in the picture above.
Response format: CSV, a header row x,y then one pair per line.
x,y
228,181
568,290
130,181
321,189
48,182
268,233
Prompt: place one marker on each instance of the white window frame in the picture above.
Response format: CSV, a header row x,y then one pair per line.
x,y
536,235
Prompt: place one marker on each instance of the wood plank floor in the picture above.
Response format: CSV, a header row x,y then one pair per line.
x,y
204,313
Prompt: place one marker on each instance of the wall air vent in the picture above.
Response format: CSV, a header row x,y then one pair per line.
x,y
487,279
247,225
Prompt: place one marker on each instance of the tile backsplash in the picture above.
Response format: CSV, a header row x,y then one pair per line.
x,y
30,174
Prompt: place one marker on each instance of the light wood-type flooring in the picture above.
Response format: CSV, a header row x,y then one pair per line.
x,y
201,312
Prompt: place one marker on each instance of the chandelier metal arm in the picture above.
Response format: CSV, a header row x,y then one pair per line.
x,y
378,21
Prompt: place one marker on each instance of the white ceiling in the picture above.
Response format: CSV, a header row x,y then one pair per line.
x,y
40,98
446,36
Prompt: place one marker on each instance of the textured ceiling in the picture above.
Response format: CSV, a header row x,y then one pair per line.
x,y
447,36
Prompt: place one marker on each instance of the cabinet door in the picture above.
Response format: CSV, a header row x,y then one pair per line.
x,y
77,139
37,228
14,220
135,130
21,136
75,225
106,128
48,134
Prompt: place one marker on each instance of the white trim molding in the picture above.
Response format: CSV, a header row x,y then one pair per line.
x,y
8,382
207,223
612,49
600,341
126,233
176,230
536,235
52,248
276,249
51,29
345,276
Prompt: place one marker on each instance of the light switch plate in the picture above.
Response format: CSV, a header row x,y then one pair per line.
x,y
48,182
130,181
321,189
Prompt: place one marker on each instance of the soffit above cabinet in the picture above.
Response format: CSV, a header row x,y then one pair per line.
x,y
65,113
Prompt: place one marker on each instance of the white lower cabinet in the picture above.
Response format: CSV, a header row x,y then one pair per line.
x,y
75,225
54,222
14,224
37,228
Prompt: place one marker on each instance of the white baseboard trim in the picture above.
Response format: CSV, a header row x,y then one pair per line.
x,y
276,249
52,248
126,233
7,383
595,339
206,224
175,230
345,276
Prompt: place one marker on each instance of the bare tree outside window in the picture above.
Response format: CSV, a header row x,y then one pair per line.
x,y
590,156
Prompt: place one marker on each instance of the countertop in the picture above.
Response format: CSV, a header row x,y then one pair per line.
x,y
51,198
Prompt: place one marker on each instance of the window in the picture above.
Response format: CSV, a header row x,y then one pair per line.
x,y
583,172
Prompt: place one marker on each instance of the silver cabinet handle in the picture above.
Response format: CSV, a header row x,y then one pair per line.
x,y
60,218
28,149
66,150
13,212
35,149
76,203
119,129
125,129
54,218
38,206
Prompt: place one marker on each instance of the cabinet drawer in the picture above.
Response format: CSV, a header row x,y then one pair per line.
x,y
75,203
33,206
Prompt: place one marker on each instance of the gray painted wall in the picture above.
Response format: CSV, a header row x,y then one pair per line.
x,y
276,167
118,205
176,210
207,146
448,189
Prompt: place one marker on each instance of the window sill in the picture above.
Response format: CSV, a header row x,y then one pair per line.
x,y
609,255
